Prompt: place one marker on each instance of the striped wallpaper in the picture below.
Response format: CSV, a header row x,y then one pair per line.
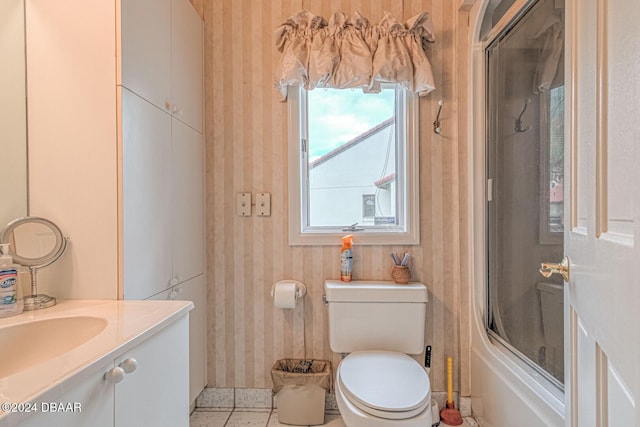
x,y
246,146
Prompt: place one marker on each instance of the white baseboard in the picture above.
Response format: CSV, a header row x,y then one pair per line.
x,y
212,397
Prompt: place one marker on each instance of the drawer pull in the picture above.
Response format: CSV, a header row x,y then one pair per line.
x,y
128,365
115,375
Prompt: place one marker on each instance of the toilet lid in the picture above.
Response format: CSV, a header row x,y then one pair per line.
x,y
386,384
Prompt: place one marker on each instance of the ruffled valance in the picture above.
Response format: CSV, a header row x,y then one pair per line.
x,y
351,53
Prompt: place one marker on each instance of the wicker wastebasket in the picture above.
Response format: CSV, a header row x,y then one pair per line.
x,y
300,386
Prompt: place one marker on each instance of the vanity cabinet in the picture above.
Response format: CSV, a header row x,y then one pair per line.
x,y
153,392
96,397
156,392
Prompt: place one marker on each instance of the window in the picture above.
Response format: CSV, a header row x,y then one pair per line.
x,y
353,162
552,166
368,207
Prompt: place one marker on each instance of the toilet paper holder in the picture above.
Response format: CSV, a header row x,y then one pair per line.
x,y
301,289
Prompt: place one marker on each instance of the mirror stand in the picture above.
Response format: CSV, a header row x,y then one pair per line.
x,y
39,243
37,301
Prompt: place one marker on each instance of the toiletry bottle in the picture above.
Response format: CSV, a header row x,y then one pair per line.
x,y
346,258
10,302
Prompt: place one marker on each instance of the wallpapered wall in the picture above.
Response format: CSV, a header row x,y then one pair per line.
x,y
246,148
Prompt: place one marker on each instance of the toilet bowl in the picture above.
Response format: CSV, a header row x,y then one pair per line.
x,y
383,388
379,324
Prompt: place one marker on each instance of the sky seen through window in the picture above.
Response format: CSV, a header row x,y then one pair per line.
x,y
337,116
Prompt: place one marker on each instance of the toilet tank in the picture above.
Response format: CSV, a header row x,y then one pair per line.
x,y
376,315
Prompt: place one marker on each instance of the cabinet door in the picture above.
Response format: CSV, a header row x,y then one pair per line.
x,y
146,49
93,398
193,290
188,202
146,194
156,393
187,63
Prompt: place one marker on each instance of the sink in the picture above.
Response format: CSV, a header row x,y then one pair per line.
x,y
27,344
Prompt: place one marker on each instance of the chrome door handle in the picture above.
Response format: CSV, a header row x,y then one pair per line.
x,y
548,268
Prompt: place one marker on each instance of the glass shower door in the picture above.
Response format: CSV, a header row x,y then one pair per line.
x,y
525,197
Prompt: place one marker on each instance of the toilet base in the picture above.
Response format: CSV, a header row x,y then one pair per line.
x,y
354,417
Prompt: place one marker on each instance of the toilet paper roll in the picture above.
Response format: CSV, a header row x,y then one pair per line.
x,y
284,295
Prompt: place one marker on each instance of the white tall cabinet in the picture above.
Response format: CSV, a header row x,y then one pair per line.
x,y
116,150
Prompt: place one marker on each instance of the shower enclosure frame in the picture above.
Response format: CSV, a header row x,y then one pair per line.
x,y
499,337
504,385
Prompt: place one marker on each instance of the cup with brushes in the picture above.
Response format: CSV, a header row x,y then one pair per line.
x,y
400,272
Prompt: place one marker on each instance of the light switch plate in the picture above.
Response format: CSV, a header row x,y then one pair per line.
x,y
243,204
263,204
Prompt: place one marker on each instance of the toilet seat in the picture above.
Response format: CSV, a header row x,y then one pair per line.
x,y
385,384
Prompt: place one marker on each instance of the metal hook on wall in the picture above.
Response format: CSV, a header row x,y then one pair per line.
x,y
436,123
519,127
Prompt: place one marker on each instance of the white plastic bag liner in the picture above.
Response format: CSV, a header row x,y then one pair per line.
x,y
298,372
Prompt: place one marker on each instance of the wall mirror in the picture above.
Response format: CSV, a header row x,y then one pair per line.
x,y
13,111
35,243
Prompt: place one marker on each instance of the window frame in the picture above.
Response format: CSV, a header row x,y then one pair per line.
x,y
407,128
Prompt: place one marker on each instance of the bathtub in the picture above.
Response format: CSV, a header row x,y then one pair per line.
x,y
507,392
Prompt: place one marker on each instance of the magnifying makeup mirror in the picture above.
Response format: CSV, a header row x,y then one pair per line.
x,y
34,243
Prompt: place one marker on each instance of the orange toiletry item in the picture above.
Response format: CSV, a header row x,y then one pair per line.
x,y
346,258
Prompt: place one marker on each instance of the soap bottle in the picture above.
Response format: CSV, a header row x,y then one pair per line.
x,y
10,299
346,258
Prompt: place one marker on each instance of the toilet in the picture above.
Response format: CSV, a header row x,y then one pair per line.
x,y
379,324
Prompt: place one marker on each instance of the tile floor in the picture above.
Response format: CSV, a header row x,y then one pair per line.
x,y
202,417
262,418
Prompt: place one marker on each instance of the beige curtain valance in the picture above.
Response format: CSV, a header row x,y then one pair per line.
x,y
351,53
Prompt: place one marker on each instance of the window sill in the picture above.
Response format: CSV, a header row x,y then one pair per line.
x,y
359,238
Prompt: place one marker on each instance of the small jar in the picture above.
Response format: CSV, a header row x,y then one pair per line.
x,y
401,274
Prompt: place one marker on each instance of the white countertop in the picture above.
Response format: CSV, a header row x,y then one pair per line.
x,y
128,323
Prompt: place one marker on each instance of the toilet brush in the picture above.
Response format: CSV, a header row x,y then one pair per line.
x,y
435,413
449,414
